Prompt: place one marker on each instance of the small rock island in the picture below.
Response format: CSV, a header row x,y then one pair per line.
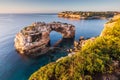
x,y
34,39
86,15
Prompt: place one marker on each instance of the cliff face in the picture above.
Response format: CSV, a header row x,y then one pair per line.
x,y
35,38
98,59
65,15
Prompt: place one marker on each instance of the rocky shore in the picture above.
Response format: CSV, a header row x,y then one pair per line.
x,y
78,45
86,15
34,39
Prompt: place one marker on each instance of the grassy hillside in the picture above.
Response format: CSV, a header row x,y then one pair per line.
x,y
95,57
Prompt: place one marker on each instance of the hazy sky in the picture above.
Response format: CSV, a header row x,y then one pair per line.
x,y
52,6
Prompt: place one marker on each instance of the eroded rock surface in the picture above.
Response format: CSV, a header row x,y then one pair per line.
x,y
35,38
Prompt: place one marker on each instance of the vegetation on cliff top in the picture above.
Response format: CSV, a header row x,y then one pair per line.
x,y
95,57
87,15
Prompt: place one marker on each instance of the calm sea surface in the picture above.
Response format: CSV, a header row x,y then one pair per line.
x,y
14,66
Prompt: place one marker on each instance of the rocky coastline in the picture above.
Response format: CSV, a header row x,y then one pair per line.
x,y
78,45
96,58
86,15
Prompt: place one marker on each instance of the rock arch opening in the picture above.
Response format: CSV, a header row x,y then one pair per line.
x,y
54,38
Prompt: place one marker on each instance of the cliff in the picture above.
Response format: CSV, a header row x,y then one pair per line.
x,y
86,15
98,59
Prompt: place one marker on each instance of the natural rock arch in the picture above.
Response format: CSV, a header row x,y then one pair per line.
x,y
35,38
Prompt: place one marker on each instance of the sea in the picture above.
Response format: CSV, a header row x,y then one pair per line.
x,y
14,66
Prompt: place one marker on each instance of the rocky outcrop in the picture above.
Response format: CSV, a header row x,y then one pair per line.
x,y
78,45
35,38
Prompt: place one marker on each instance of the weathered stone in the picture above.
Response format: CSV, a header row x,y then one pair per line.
x,y
79,44
75,43
81,38
35,38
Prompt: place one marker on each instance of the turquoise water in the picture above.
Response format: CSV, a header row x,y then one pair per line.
x,y
14,66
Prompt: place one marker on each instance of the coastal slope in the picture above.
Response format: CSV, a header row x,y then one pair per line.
x,y
98,59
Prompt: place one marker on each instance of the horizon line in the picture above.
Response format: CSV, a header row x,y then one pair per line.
x,y
51,12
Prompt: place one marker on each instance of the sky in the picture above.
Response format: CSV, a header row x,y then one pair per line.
x,y
54,6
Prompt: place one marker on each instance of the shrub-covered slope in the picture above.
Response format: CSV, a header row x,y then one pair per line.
x,y
96,59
